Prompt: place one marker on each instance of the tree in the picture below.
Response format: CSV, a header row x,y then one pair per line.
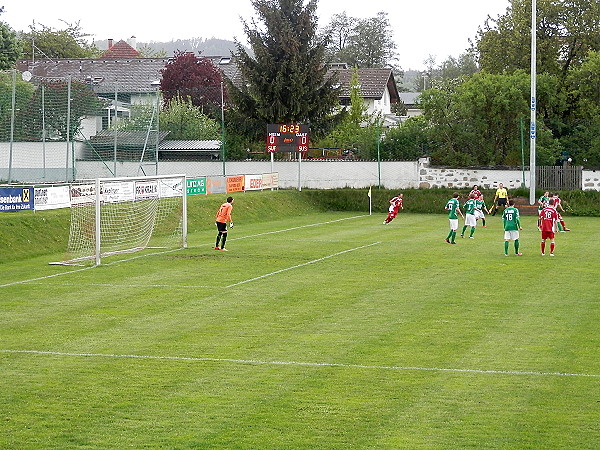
x,y
477,121
567,30
46,42
186,121
60,120
364,43
285,78
188,77
409,141
23,93
10,47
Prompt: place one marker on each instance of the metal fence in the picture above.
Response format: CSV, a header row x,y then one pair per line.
x,y
48,124
555,178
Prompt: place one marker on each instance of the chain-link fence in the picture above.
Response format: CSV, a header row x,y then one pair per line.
x,y
48,125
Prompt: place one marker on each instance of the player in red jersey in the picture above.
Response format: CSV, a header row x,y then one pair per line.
x,y
395,207
475,192
548,219
557,206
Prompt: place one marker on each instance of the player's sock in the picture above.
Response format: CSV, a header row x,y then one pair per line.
x,y
506,247
551,247
516,246
560,227
562,222
543,246
223,239
483,222
449,235
472,232
453,238
462,233
218,239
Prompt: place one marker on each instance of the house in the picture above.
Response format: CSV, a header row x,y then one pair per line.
x,y
377,88
410,101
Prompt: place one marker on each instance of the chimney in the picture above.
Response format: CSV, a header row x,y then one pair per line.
x,y
132,41
110,43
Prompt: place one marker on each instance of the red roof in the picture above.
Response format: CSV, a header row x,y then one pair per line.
x,y
120,50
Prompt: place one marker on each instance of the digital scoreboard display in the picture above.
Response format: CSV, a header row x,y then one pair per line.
x,y
287,137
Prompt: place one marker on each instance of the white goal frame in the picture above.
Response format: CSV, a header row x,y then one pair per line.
x,y
141,205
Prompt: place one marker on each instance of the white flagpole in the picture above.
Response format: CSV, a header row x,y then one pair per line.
x,y
370,202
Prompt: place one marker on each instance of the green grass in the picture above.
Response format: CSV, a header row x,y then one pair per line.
x,y
343,334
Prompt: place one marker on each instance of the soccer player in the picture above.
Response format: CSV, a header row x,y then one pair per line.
x,y
453,208
512,225
475,191
548,218
557,206
223,216
500,199
395,206
542,203
480,207
470,220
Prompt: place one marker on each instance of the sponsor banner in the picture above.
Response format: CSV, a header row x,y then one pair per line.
x,y
171,187
270,180
82,194
196,186
146,190
253,182
235,184
16,199
52,197
117,191
216,185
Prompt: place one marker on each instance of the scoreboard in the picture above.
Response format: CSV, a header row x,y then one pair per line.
x,y
287,137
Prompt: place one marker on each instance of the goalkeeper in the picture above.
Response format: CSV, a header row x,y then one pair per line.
x,y
223,216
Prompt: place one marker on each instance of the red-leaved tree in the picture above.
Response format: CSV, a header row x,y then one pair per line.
x,y
188,77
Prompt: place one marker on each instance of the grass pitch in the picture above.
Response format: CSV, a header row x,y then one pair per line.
x,y
320,331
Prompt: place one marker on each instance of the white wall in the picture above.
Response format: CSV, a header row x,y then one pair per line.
x,y
29,165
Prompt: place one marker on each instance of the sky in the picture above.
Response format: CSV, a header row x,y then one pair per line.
x,y
440,28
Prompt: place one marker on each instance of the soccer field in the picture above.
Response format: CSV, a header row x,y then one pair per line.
x,y
321,331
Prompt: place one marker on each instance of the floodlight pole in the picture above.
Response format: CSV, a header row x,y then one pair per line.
x,y
533,127
223,127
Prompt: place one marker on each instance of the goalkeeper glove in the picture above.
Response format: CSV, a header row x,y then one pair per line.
x,y
231,225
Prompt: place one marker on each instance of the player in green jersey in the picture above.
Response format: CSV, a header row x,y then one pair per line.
x,y
480,207
512,225
470,220
453,208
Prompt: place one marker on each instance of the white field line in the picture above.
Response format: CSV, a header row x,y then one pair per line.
x,y
296,228
303,364
301,265
31,280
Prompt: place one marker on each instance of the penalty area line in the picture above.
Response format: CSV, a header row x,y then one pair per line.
x,y
303,364
260,277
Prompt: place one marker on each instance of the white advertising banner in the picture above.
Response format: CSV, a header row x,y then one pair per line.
x,y
253,183
146,190
270,180
52,197
83,194
116,192
171,187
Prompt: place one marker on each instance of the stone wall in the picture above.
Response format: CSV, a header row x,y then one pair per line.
x,y
591,180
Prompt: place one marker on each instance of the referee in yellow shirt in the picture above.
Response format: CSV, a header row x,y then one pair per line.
x,y
500,199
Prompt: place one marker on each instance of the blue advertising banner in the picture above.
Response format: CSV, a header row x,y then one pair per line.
x,y
16,199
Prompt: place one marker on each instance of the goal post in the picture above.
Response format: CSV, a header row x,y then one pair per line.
x,y
110,216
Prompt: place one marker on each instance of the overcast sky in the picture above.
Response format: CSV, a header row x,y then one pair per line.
x,y
421,27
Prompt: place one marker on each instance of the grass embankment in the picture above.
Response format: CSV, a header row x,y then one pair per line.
x,y
29,234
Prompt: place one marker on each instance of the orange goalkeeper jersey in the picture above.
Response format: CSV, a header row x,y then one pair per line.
x,y
224,213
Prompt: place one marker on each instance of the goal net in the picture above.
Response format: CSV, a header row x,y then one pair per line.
x,y
111,216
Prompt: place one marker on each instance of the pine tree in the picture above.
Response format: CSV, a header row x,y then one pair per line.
x,y
286,78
